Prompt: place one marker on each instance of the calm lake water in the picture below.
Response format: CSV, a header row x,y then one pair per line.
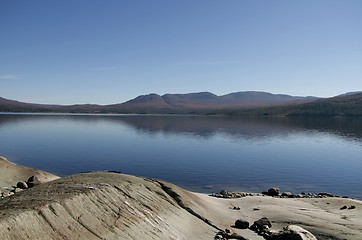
x,y
204,154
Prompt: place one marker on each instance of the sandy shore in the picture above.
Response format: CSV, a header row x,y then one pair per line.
x,y
321,216
106,205
11,173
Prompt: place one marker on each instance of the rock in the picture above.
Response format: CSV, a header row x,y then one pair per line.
x,y
287,194
218,237
344,207
273,192
265,229
242,224
33,181
223,192
17,190
325,194
22,185
258,225
236,236
292,232
352,207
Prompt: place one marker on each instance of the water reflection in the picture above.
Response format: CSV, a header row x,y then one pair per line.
x,y
208,126
297,154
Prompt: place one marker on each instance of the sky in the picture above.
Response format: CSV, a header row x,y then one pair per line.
x,y
103,52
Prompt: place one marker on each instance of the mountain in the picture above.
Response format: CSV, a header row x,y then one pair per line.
x,y
343,105
7,105
181,103
349,94
248,103
254,99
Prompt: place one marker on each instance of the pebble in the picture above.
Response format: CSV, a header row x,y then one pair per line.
x,y
17,190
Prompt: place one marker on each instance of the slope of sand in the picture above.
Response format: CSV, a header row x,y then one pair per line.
x,y
107,205
11,174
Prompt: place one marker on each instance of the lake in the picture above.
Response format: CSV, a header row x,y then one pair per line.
x,y
199,153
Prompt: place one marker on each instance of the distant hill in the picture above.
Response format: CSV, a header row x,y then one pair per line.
x,y
7,105
248,103
349,94
181,103
345,105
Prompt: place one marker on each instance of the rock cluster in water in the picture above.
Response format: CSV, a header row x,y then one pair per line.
x,y
226,194
274,192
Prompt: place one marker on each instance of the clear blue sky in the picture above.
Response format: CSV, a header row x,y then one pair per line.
x,y
92,51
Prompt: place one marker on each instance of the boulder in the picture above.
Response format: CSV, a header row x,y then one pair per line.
x,y
325,194
292,232
22,185
223,192
258,225
287,194
273,192
242,224
33,181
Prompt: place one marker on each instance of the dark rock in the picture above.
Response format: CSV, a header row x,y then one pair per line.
x,y
352,207
258,225
273,192
242,224
256,209
342,208
236,236
287,194
325,194
223,192
33,181
22,185
220,235
228,235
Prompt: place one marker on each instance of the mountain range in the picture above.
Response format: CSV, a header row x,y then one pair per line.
x,y
238,103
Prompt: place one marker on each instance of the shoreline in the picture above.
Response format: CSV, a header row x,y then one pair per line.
x,y
211,217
